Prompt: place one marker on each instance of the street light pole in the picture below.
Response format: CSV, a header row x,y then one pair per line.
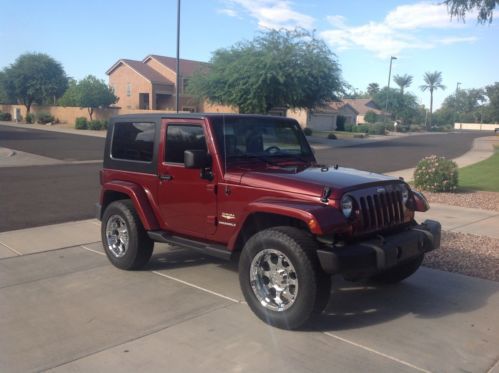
x,y
389,78
177,84
457,87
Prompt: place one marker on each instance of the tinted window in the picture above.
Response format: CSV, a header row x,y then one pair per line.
x,y
133,141
180,138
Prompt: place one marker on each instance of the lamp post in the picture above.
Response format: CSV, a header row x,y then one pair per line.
x,y
457,106
389,78
178,57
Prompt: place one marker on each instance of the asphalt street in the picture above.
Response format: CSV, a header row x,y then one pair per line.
x,y
398,154
39,195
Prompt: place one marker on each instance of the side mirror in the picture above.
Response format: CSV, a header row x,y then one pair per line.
x,y
196,159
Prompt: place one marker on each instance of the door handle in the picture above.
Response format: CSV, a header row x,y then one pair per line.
x,y
165,177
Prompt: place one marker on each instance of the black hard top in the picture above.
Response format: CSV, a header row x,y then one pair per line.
x,y
159,116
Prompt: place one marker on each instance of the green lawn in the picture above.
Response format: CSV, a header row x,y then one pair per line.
x,y
481,176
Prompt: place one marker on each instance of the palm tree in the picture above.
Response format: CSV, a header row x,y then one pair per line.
x,y
403,81
372,89
433,82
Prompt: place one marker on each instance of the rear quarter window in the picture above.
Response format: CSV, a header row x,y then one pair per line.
x,y
133,141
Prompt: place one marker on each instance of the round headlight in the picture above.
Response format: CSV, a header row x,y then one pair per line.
x,y
347,206
405,194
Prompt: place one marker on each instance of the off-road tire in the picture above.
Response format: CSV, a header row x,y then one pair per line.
x,y
396,274
140,246
314,285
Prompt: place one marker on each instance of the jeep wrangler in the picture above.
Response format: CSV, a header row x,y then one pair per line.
x,y
248,188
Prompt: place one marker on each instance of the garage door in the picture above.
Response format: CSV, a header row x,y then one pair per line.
x,y
322,122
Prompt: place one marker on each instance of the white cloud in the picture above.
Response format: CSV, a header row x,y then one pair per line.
x,y
228,12
405,27
457,39
273,14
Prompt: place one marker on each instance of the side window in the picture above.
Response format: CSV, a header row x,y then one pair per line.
x,y
180,138
133,141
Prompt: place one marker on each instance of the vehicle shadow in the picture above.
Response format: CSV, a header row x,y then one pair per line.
x,y
429,294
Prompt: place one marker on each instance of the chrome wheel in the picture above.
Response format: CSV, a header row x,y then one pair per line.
x,y
117,236
273,280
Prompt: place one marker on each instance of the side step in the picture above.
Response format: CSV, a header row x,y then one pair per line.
x,y
218,251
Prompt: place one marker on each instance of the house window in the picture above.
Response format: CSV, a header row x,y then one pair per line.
x,y
129,89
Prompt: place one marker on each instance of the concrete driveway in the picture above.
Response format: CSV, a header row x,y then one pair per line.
x,y
68,309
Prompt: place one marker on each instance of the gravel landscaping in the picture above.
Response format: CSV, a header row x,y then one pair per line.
x,y
468,254
471,199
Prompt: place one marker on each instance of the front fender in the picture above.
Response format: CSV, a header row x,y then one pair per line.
x,y
139,198
320,219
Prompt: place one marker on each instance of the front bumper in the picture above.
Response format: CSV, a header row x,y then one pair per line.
x,y
383,252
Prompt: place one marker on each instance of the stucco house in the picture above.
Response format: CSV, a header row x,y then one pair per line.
x,y
325,117
150,84
362,106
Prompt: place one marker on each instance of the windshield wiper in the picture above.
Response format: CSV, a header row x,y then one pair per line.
x,y
253,156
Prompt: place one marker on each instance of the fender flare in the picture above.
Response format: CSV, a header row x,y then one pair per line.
x,y
139,198
320,219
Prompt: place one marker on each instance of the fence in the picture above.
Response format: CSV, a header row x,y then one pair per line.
x,y
475,126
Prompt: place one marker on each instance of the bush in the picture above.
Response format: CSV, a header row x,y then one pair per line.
x,y
81,123
30,118
5,117
361,128
307,131
95,125
376,129
436,174
349,127
332,136
371,117
416,128
45,118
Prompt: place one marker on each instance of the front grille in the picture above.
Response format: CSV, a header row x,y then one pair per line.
x,y
380,210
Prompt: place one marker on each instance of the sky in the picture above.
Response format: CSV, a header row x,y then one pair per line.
x,y
88,37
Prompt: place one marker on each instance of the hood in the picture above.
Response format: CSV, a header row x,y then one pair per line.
x,y
312,180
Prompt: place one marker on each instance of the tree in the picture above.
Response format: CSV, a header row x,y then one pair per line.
x,y
371,117
433,82
89,93
403,81
372,89
484,8
279,68
34,78
403,107
492,109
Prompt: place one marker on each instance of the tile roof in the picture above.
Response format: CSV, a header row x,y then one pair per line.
x,y
141,68
187,67
363,105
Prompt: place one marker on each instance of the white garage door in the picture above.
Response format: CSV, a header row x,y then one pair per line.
x,y
322,122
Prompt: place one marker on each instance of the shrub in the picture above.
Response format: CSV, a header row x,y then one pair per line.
x,y
332,136
30,118
371,117
95,125
376,129
436,174
6,117
45,118
361,128
307,131
349,127
81,123
415,128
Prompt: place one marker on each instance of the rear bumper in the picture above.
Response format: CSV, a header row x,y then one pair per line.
x,y
383,252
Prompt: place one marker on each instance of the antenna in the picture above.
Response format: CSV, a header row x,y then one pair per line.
x,y
225,143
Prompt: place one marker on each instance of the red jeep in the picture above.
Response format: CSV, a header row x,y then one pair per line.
x,y
248,187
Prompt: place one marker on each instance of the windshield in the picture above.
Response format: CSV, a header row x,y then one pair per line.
x,y
269,139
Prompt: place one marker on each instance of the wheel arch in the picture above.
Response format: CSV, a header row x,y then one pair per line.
x,y
119,190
